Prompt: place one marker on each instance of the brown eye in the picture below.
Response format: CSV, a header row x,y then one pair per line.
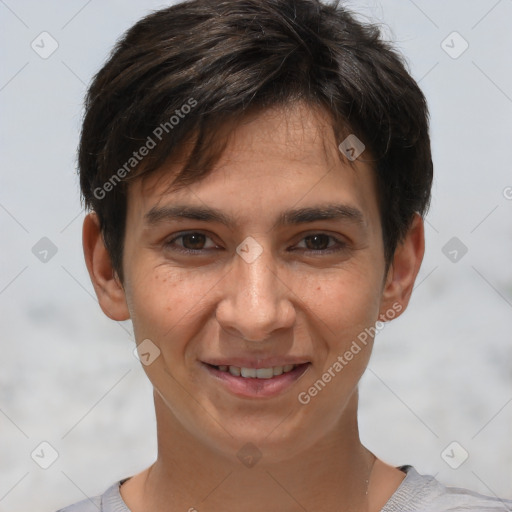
x,y
318,242
193,241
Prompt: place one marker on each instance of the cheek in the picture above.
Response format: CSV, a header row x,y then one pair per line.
x,y
168,308
344,308
163,299
345,301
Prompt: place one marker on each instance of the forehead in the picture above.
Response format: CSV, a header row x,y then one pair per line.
x,y
275,158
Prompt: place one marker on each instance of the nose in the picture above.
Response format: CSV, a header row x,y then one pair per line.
x,y
255,300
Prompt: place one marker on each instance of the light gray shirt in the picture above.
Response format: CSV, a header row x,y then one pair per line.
x,y
416,493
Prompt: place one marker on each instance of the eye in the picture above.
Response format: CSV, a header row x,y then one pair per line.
x,y
195,242
191,243
322,243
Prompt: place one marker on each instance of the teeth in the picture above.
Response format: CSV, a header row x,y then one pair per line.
x,y
258,373
248,372
264,373
234,370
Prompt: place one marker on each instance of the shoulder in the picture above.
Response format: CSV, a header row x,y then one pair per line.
x,y
423,493
109,501
87,505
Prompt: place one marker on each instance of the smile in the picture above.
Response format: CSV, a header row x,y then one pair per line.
x,y
263,382
257,373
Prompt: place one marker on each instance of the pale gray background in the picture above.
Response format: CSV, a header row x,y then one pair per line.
x,y
441,373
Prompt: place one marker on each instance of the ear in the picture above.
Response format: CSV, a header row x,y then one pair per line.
x,y
108,288
403,271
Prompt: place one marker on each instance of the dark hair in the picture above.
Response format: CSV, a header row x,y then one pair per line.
x,y
181,73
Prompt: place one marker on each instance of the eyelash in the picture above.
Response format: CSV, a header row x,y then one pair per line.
x,y
170,244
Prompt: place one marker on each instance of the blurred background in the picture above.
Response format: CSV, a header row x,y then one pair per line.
x,y
438,392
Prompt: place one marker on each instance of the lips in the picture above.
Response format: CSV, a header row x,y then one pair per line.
x,y
256,373
249,379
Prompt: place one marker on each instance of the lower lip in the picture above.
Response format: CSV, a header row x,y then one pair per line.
x,y
248,387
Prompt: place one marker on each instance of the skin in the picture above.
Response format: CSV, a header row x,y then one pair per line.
x,y
296,299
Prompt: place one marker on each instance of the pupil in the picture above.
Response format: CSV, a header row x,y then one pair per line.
x,y
319,242
195,240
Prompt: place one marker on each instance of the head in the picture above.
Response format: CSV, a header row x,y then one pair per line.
x,y
230,130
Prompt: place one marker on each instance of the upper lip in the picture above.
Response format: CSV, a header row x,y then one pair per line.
x,y
244,362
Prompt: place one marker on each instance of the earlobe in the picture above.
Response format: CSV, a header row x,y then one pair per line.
x,y
108,288
403,271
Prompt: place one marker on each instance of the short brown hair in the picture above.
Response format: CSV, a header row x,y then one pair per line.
x,y
184,71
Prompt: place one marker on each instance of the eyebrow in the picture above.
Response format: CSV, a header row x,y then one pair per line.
x,y
159,214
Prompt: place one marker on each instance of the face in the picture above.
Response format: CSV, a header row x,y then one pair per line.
x,y
256,286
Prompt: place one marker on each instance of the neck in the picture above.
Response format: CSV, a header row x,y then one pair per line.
x,y
332,473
